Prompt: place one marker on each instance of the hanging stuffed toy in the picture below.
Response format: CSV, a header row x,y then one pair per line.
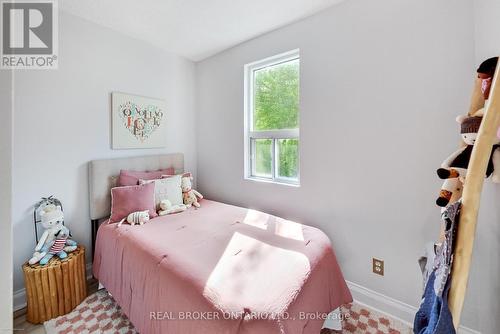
x,y
486,73
454,168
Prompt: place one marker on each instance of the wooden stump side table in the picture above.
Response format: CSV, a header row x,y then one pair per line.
x,y
56,288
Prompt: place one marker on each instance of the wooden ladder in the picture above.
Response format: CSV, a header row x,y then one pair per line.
x,y
471,194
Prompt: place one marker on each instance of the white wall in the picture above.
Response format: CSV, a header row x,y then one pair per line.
x,y
381,84
6,200
487,28
63,121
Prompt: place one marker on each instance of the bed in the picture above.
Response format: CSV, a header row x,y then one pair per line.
x,y
218,269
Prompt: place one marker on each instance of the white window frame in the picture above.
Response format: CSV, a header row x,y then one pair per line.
x,y
274,135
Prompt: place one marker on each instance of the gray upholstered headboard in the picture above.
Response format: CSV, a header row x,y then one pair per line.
x,y
103,175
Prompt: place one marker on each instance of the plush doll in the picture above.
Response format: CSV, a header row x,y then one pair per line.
x,y
454,168
496,152
139,217
52,219
59,246
166,208
189,195
486,73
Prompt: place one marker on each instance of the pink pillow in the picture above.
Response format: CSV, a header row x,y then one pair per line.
x,y
125,200
131,178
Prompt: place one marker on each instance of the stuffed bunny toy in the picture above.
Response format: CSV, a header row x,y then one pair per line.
x,y
189,195
167,208
139,217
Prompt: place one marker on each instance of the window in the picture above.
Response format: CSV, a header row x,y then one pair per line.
x,y
272,119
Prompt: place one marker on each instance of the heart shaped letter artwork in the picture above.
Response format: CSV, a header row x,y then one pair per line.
x,y
141,121
138,122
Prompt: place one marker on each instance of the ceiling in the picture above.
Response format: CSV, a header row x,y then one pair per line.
x,y
195,29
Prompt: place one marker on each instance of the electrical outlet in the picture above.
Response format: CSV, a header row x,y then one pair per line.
x,y
378,267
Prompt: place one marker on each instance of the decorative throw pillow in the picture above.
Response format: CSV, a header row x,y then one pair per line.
x,y
128,199
168,187
131,178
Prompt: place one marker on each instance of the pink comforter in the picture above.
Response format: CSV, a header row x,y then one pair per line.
x,y
220,269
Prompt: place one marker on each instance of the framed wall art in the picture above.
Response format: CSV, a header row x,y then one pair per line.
x,y
137,122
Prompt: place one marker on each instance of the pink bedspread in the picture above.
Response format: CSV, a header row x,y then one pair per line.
x,y
220,269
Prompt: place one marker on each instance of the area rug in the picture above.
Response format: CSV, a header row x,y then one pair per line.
x,y
99,313
360,319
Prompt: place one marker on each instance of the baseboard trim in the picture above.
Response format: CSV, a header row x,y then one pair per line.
x,y
394,308
19,298
382,303
88,271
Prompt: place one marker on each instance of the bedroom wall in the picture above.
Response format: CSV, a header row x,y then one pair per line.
x,y
63,121
487,29
6,198
381,85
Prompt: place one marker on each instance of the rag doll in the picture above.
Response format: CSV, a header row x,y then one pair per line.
x,y
139,217
59,246
166,208
454,168
189,195
486,73
52,219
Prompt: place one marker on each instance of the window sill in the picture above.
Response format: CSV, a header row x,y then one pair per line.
x,y
278,182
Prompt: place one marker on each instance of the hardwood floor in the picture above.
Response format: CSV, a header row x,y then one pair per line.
x,y
23,326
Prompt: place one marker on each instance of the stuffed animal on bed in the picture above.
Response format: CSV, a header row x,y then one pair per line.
x,y
189,195
139,217
52,219
167,208
454,169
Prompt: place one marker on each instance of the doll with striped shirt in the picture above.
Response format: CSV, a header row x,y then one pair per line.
x,y
59,246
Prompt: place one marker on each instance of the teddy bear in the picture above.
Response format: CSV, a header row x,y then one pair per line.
x,y
166,208
139,217
52,219
454,169
59,246
189,195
